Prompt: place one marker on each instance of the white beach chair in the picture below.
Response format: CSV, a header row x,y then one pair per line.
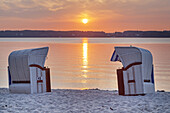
x,y
27,73
136,77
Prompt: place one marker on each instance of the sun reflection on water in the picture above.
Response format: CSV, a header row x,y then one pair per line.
x,y
85,60
85,52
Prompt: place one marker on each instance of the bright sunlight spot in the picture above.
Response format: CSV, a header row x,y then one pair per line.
x,y
85,21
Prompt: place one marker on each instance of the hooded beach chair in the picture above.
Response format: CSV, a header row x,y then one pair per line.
x,y
136,76
27,73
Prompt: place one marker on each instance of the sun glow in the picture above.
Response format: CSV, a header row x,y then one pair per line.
x,y
85,21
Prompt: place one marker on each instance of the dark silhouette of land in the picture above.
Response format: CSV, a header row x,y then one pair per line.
x,y
43,33
142,34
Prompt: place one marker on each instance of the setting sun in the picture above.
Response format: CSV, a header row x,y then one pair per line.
x,y
85,21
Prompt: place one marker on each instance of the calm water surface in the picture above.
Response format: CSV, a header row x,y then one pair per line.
x,y
82,63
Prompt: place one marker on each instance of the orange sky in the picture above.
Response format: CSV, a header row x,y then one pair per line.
x,y
103,15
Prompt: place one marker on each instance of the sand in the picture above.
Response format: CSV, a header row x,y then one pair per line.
x,y
83,101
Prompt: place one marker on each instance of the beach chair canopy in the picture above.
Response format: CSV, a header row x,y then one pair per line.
x,y
20,60
131,55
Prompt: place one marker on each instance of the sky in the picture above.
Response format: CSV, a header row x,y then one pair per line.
x,y
103,15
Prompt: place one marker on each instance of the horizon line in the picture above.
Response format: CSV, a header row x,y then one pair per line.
x,y
84,31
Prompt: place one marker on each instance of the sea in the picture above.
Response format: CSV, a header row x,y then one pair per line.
x,y
84,63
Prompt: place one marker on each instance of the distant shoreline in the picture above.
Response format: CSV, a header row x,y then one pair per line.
x,y
77,37
80,34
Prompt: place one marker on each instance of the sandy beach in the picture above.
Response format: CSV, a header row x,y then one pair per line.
x,y
83,101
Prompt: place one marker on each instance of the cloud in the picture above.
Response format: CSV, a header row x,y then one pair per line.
x,y
101,11
123,7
